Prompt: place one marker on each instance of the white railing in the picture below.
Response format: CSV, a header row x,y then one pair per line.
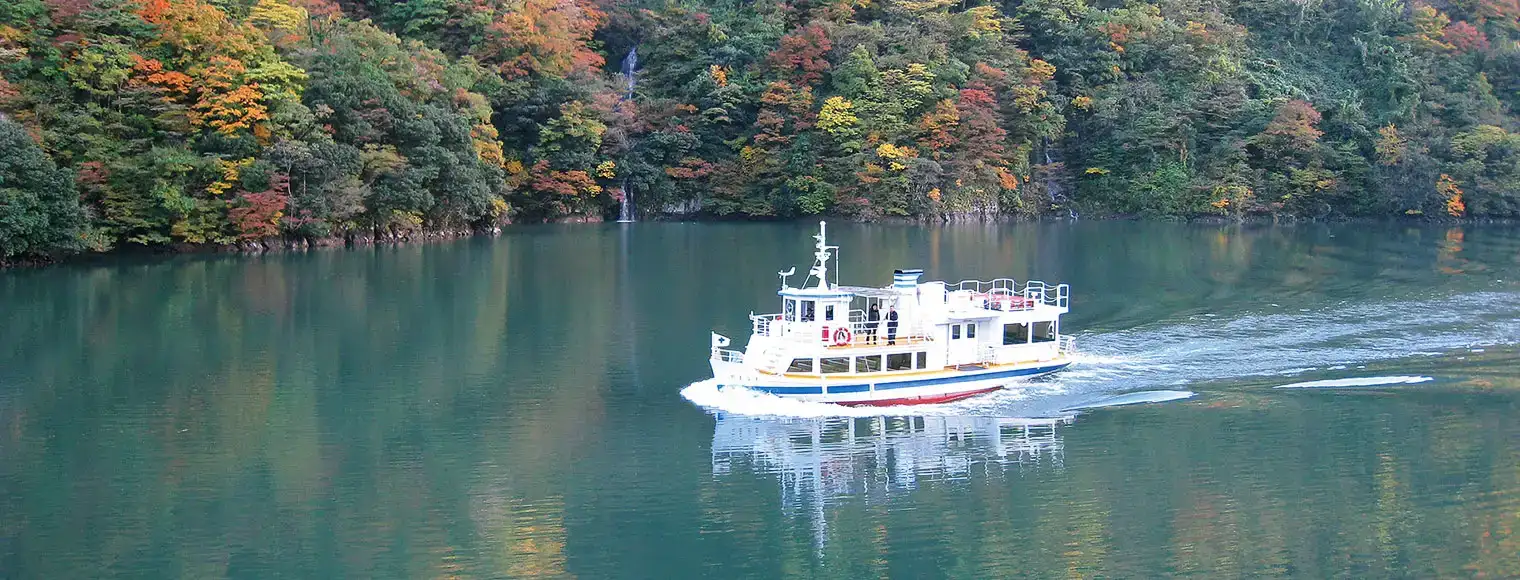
x,y
814,333
1033,292
763,323
1007,353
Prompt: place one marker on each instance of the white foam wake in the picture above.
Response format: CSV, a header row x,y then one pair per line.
x,y
1140,398
1355,382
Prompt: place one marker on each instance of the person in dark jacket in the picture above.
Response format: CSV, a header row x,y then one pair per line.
x,y
873,319
892,325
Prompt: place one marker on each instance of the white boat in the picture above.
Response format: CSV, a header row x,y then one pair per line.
x,y
949,341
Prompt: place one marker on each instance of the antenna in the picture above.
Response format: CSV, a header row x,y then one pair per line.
x,y
785,275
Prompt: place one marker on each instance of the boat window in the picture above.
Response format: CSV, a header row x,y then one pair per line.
x,y
828,312
868,364
800,365
834,364
791,309
970,331
902,361
923,360
807,311
955,331
1015,333
1045,331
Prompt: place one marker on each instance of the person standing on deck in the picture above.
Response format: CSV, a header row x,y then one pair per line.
x,y
892,326
873,319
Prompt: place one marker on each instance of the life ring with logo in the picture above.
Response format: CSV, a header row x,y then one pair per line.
x,y
842,336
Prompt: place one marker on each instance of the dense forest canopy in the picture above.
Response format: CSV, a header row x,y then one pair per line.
x,y
213,121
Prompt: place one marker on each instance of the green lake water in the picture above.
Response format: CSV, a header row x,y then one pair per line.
x,y
513,407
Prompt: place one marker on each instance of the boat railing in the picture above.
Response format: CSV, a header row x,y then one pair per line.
x,y
999,354
764,323
726,355
824,332
861,334
1033,292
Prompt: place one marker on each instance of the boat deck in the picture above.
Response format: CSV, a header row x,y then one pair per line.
x,y
861,342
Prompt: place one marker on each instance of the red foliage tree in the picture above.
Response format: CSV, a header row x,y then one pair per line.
x,y
978,130
258,214
1465,37
803,55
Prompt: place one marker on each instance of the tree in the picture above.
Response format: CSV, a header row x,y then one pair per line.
x,y
39,209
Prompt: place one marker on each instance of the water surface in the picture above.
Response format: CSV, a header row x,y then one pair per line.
x,y
512,407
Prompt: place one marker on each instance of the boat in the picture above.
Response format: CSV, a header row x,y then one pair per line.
x,y
838,344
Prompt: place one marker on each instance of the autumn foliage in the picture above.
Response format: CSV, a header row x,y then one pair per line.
x,y
207,121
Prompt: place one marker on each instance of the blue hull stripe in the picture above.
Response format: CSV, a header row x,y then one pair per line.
x,y
862,388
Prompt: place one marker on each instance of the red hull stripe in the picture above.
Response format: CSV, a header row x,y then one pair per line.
x,y
924,400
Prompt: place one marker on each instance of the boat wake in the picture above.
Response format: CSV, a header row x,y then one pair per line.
x,y
1356,382
1163,356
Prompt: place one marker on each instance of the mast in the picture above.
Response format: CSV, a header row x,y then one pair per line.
x,y
821,257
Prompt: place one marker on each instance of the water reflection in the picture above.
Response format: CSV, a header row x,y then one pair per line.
x,y
820,461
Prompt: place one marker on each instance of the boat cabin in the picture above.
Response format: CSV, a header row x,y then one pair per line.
x,y
827,329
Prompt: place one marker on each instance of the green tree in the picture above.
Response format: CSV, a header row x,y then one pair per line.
x,y
39,209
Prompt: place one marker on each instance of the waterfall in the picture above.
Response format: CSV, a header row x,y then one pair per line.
x,y
625,213
630,63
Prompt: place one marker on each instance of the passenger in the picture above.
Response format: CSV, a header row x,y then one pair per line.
x,y
873,319
892,326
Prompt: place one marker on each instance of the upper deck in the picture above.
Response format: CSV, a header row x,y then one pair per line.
x,y
935,303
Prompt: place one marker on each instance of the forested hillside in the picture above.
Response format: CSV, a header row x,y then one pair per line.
x,y
212,121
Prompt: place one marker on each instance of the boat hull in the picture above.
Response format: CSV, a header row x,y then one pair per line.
x,y
918,389
923,400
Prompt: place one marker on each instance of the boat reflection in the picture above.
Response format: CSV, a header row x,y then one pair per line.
x,y
822,461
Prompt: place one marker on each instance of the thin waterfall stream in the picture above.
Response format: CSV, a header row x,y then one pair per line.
x,y
630,63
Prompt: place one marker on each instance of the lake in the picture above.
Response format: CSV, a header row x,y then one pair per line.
x,y
513,407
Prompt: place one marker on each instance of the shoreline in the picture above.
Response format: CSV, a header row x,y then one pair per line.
x,y
352,240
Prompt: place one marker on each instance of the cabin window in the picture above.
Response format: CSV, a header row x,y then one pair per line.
x,y
868,364
790,309
800,365
807,310
828,312
970,331
955,332
902,361
1015,333
834,364
1045,331
923,360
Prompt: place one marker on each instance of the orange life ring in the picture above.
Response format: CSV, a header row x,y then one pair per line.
x,y
842,336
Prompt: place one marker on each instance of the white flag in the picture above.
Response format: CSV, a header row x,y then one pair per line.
x,y
719,341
